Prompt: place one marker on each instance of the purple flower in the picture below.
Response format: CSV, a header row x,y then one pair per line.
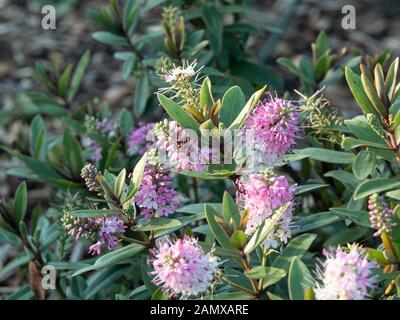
x,y
180,147
103,231
274,126
94,148
105,126
346,274
137,143
380,215
156,197
182,267
261,194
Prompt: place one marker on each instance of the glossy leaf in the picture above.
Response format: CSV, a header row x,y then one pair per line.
x,y
356,87
232,104
364,164
177,113
20,202
299,279
77,77
375,186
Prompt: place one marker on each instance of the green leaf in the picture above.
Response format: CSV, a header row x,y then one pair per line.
x,y
24,173
206,98
46,173
129,59
349,143
8,237
296,248
111,154
270,275
246,72
232,104
196,208
364,164
374,186
322,67
236,279
60,265
372,94
24,293
142,93
78,75
110,38
241,118
356,87
156,223
229,296
238,239
230,210
131,16
358,216
140,293
125,122
138,171
94,213
361,129
113,257
37,138
63,82
306,188
263,231
347,235
218,232
273,297
72,152
390,81
7,269
314,221
20,202
321,45
307,68
120,183
159,295
104,279
294,69
299,279
395,194
178,114
346,178
326,155
378,256
184,222
214,23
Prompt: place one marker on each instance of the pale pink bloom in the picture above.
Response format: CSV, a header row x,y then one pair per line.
x,y
181,267
156,196
262,194
346,274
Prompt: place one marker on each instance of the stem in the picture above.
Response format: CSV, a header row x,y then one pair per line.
x,y
392,284
247,268
195,190
393,146
37,256
263,264
132,240
387,242
238,287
